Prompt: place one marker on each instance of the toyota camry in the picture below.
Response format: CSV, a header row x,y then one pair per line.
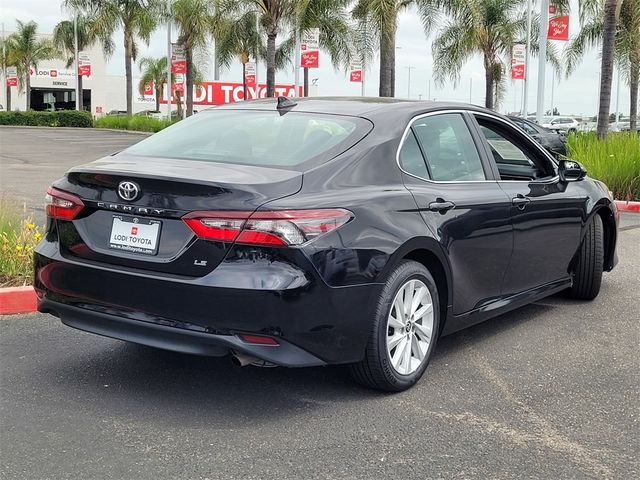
x,y
312,232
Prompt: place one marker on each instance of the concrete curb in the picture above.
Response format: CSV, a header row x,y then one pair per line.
x,y
119,130
17,300
625,206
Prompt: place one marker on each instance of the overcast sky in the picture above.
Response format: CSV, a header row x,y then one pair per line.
x,y
577,95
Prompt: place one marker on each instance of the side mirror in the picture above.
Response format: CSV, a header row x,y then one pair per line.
x,y
570,171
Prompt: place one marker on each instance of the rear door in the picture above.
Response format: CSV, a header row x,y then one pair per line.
x,y
462,205
547,215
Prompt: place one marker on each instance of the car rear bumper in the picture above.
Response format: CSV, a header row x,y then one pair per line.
x,y
315,324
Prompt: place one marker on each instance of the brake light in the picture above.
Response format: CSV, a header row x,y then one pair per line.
x,y
276,228
62,205
259,340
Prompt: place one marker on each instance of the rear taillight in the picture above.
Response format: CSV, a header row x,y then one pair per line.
x,y
278,228
62,205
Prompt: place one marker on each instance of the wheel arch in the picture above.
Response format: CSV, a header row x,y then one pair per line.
x,y
610,233
429,253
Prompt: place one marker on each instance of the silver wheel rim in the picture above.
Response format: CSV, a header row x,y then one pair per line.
x,y
409,327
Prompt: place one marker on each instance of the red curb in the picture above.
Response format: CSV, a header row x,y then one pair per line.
x,y
17,300
624,206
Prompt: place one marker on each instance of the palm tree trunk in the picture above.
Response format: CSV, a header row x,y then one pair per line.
x,y
606,69
128,55
244,81
387,63
189,86
178,104
305,83
488,83
634,82
271,63
158,95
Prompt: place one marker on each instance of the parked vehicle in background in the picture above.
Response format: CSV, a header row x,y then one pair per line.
x,y
561,124
150,113
620,127
553,141
327,231
117,113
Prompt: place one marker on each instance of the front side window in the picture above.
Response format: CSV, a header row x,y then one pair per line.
x,y
513,157
448,146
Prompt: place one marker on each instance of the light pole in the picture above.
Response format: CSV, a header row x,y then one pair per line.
x,y
527,58
168,83
409,82
76,55
542,57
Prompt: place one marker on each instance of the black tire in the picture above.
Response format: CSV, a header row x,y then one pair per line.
x,y
587,274
375,370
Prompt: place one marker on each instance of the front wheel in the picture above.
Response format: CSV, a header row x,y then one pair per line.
x,y
404,330
587,275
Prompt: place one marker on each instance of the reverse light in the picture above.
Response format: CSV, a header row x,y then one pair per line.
x,y
62,205
275,228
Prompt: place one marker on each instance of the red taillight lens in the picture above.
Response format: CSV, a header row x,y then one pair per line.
x,y
278,228
62,205
259,340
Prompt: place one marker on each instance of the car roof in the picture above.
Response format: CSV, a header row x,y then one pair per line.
x,y
366,107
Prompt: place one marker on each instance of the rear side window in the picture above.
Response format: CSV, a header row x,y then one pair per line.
x,y
256,137
449,148
411,159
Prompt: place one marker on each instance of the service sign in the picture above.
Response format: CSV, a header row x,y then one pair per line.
x,y
518,61
12,76
84,64
216,93
178,59
250,73
310,49
355,72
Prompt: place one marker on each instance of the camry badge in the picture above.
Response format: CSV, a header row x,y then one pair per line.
x,y
128,190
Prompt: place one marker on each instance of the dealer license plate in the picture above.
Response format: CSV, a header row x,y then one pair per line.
x,y
135,235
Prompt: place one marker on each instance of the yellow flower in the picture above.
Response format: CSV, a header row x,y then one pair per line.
x,y
18,247
30,226
37,236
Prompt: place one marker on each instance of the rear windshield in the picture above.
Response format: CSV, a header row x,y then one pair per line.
x,y
256,137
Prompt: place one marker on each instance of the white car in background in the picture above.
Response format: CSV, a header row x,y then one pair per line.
x,y
561,124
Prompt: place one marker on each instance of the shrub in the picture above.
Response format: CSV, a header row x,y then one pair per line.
x,y
615,161
18,238
63,118
136,122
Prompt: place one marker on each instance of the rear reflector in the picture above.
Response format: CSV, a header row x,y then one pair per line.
x,y
259,340
276,228
62,205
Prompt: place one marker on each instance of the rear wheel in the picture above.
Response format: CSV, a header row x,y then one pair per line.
x,y
587,275
404,330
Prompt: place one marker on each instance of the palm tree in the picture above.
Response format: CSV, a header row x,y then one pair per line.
x,y
6,61
137,18
487,27
239,37
64,40
154,70
330,17
27,51
196,20
626,46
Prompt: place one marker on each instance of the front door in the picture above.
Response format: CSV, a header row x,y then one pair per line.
x,y
547,215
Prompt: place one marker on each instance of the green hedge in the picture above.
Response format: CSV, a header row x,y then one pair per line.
x,y
136,122
63,118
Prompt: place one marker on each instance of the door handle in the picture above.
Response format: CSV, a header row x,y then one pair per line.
x,y
441,206
520,201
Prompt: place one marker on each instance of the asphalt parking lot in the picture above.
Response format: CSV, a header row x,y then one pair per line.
x,y
548,391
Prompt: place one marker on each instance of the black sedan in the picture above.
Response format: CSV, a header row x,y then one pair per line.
x,y
321,231
553,141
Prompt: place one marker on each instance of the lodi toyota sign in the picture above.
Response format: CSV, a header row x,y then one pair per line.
x,y
216,93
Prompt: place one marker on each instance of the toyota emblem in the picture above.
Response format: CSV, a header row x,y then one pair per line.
x,y
128,191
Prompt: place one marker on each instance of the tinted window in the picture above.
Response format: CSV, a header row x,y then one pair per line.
x,y
449,148
411,159
514,159
255,137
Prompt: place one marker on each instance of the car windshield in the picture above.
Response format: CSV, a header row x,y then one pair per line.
x,y
547,119
255,137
